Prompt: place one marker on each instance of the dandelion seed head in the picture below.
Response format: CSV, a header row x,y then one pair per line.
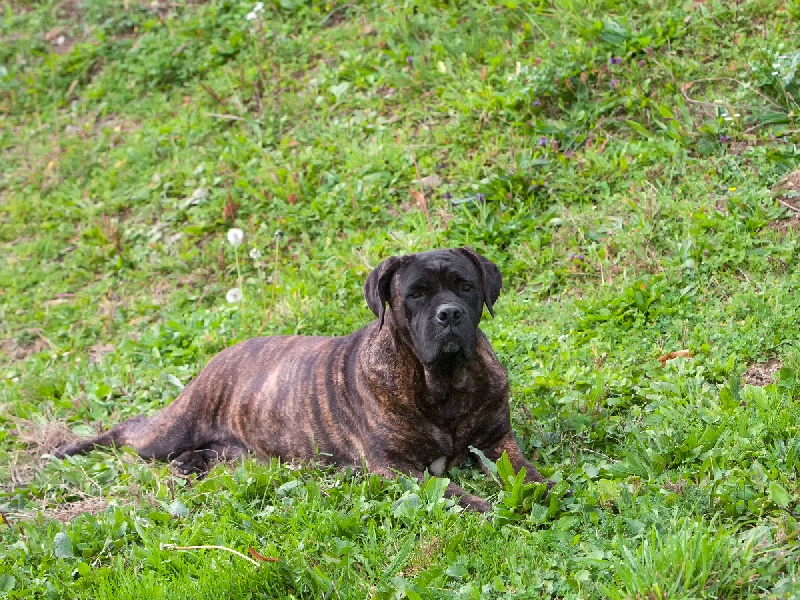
x,y
234,295
255,253
235,237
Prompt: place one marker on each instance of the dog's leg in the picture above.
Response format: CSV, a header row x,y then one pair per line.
x,y
167,434
118,435
200,461
509,445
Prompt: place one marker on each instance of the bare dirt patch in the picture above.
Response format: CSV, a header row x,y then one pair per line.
x,y
787,193
98,351
760,374
18,351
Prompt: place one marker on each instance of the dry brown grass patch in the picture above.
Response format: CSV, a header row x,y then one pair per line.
x,y
39,437
67,512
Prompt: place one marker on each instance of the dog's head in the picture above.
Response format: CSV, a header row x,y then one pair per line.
x,y
436,298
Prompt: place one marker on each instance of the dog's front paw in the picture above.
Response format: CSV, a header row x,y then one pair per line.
x,y
191,461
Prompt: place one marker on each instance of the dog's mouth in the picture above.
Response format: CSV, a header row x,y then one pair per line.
x,y
446,346
451,347
451,343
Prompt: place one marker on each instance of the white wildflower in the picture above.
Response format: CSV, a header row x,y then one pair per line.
x,y
253,14
234,295
235,236
255,253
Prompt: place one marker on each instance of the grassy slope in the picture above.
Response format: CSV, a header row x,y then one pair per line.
x,y
617,159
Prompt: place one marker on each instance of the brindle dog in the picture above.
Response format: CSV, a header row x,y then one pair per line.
x,y
411,391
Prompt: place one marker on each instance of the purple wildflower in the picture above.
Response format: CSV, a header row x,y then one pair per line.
x,y
410,62
642,62
542,141
615,60
724,138
614,83
480,197
448,196
537,102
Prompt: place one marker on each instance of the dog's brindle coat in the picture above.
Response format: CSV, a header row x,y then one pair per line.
x,y
408,392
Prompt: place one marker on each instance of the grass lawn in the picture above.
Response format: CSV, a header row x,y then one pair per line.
x,y
632,166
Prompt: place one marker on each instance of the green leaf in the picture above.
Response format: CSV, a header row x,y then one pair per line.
x,y
490,466
582,575
665,112
457,571
614,32
505,470
559,489
174,380
727,401
433,489
7,583
778,494
62,544
178,509
84,570
515,497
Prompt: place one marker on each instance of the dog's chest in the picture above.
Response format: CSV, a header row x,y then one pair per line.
x,y
446,442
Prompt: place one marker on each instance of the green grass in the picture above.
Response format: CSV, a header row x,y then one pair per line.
x,y
627,164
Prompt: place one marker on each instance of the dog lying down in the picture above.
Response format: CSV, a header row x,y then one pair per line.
x,y
410,392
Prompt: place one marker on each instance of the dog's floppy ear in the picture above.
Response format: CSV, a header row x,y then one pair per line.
x,y
491,278
376,287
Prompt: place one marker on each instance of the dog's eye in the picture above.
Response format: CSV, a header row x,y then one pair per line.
x,y
416,294
466,287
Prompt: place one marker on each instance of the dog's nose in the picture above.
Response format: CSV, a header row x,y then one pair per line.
x,y
449,314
